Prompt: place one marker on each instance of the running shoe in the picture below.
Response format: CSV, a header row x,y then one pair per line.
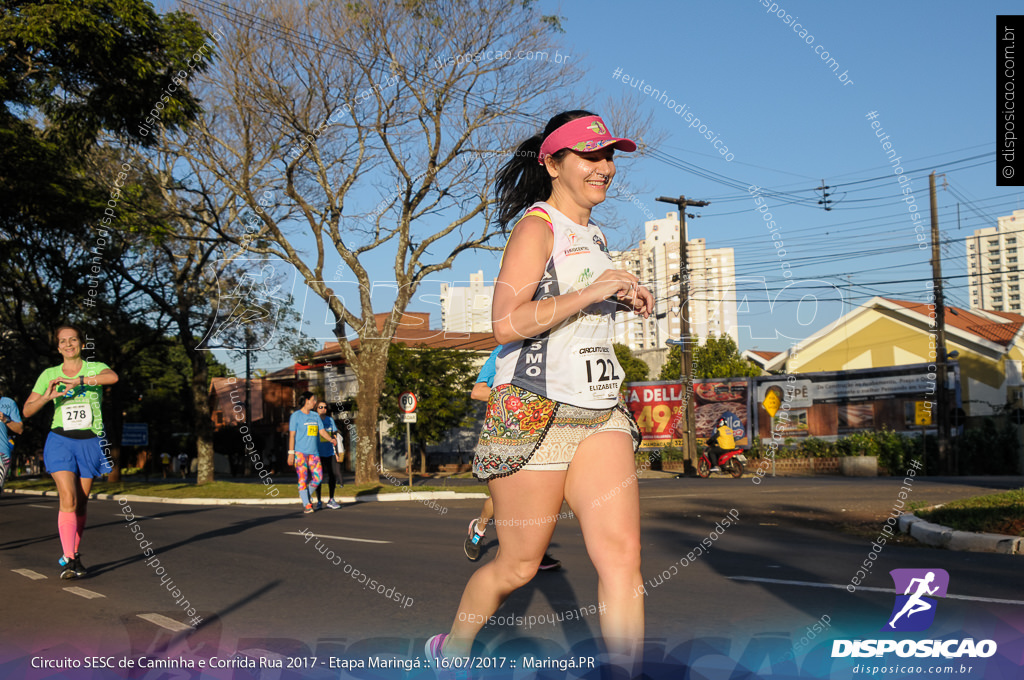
x,y
71,569
434,650
75,563
715,469
308,510
333,504
472,545
549,563
319,505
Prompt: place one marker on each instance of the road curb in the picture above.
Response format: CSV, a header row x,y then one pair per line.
x,y
417,496
940,536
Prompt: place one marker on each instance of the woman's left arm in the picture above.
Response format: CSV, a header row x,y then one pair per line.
x,y
106,377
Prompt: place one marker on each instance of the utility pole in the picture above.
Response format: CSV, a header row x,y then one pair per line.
x,y
686,350
248,378
942,394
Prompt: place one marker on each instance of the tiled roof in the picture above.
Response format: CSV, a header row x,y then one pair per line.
x,y
1001,329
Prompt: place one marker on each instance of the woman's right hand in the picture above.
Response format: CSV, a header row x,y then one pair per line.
x,y
53,389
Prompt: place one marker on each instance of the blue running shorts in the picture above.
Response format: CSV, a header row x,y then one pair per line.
x,y
84,457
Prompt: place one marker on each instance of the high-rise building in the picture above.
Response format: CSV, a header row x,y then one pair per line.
x,y
467,309
993,273
712,280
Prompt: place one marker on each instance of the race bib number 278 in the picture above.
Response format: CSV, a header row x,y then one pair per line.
x,y
77,416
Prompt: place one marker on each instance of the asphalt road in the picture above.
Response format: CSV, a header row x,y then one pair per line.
x,y
264,590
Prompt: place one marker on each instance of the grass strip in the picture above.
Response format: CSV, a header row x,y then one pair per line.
x,y
230,490
1000,513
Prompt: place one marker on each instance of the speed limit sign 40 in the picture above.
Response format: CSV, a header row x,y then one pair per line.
x,y
407,402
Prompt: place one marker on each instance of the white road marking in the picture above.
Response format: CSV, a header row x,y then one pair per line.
x,y
165,622
888,591
337,538
82,592
137,517
28,573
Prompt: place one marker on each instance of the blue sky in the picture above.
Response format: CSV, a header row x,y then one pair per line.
x,y
926,68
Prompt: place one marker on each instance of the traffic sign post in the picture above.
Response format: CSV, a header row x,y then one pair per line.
x,y
407,405
772,402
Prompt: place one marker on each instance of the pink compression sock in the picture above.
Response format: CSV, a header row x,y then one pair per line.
x,y
66,526
79,529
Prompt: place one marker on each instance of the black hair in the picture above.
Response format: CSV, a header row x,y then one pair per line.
x,y
304,397
522,181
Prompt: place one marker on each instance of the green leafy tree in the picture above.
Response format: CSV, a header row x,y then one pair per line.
x,y
670,370
636,369
441,380
720,358
70,73
716,358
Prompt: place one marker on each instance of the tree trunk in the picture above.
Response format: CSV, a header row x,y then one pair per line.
x,y
113,426
201,409
370,366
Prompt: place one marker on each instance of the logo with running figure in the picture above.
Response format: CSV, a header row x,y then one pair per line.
x,y
915,607
597,128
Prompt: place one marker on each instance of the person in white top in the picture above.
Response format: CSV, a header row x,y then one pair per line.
x,y
554,429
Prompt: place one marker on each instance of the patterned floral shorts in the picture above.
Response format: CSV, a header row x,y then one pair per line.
x,y
525,431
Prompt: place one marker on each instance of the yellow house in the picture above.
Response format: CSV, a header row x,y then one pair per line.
x,y
887,332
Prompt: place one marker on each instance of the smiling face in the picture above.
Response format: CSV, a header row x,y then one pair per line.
x,y
68,343
581,178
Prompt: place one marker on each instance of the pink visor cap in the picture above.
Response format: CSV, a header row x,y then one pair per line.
x,y
582,134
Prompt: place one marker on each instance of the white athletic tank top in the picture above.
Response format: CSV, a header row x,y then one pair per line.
x,y
572,362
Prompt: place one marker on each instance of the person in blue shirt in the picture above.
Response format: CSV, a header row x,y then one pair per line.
x,y
304,431
478,527
10,425
330,457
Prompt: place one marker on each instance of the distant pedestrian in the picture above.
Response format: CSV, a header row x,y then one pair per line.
x,y
330,456
73,453
165,463
304,431
183,464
